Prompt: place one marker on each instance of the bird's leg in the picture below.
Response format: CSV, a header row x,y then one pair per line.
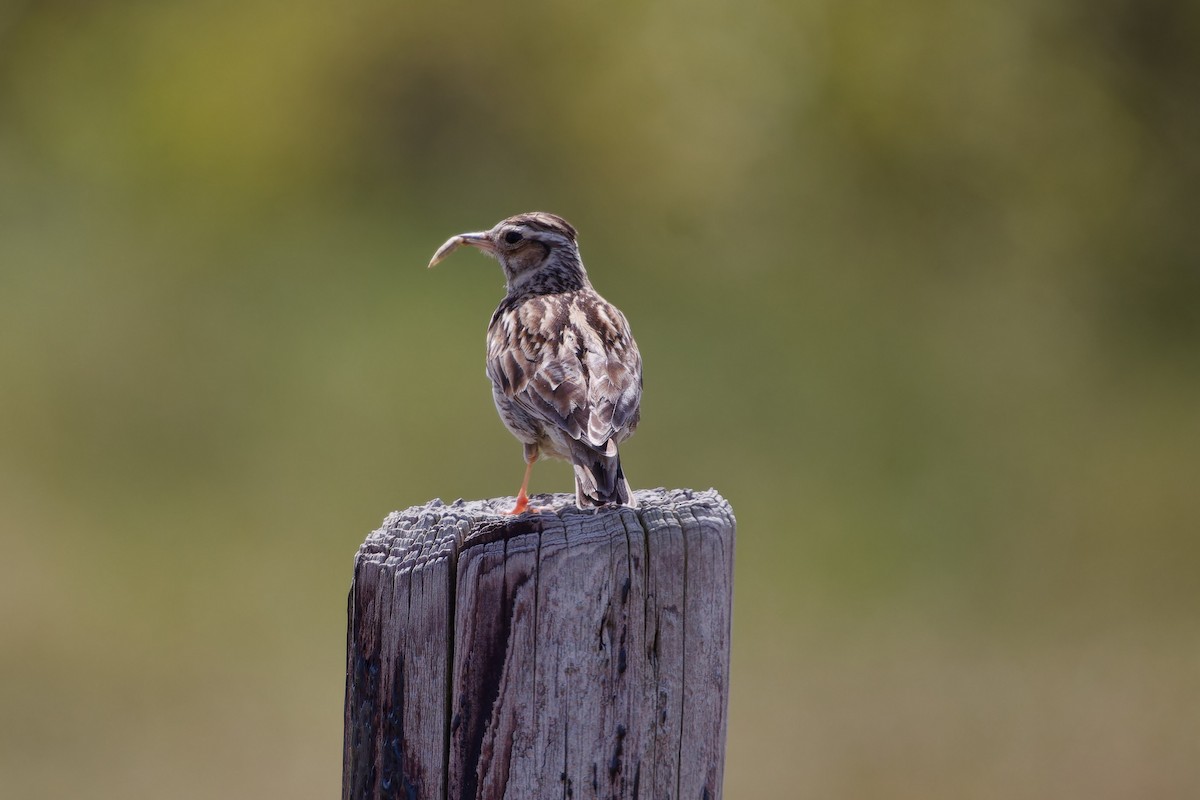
x,y
522,496
531,455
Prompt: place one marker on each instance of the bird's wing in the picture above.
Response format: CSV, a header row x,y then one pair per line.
x,y
614,369
571,363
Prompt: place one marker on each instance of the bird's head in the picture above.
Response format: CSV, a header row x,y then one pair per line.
x,y
532,248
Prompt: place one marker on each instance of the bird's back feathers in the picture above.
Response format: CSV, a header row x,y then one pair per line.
x,y
567,374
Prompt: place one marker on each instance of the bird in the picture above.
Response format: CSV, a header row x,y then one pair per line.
x,y
566,373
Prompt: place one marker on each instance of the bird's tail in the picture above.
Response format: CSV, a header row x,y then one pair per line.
x,y
600,481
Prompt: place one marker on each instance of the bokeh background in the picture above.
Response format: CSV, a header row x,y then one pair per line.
x,y
916,286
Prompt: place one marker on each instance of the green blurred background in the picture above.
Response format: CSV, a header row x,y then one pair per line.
x,y
916,286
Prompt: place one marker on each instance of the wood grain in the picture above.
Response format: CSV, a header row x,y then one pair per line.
x,y
566,654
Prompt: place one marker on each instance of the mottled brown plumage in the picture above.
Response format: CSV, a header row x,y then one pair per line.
x,y
566,374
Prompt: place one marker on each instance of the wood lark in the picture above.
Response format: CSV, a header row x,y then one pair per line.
x,y
566,374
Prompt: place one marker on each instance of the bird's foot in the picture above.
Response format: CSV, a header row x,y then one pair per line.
x,y
519,510
516,511
522,506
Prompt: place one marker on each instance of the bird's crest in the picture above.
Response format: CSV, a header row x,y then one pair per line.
x,y
544,220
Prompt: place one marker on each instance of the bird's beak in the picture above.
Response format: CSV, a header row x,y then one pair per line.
x,y
482,240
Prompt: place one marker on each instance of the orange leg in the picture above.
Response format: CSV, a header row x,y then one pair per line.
x,y
523,496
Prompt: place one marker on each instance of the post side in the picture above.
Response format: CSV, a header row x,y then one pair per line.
x,y
565,653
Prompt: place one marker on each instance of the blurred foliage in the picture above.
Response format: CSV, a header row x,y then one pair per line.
x,y
916,285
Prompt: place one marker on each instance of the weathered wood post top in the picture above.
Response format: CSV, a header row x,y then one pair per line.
x,y
564,654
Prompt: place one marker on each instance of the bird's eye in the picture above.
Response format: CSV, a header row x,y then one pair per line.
x,y
512,237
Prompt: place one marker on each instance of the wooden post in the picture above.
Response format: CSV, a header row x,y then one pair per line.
x,y
567,654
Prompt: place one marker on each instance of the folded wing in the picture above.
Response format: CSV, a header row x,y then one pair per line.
x,y
570,362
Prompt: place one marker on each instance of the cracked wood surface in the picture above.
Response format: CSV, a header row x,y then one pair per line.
x,y
567,654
